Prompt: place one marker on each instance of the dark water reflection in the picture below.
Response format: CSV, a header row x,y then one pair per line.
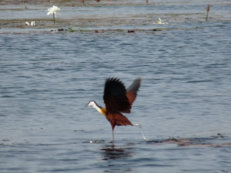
x,y
113,152
116,158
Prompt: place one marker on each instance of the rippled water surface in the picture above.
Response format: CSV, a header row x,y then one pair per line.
x,y
47,78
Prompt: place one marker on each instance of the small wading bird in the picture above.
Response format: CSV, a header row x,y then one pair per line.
x,y
118,100
159,21
30,24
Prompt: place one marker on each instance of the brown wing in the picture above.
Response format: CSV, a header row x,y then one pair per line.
x,y
117,119
132,91
115,97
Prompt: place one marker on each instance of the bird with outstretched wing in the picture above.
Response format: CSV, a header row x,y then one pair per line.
x,y
118,100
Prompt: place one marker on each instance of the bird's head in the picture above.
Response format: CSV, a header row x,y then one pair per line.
x,y
92,103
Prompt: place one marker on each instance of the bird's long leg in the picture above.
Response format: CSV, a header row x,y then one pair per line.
x,y
112,136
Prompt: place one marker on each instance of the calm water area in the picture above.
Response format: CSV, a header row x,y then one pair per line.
x,y
48,76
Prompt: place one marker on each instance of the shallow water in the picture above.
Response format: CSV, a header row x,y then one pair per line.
x,y
47,78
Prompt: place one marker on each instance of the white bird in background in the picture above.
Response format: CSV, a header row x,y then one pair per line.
x,y
159,22
53,10
32,23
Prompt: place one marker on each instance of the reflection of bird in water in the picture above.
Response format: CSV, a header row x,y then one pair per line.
x,y
111,152
117,99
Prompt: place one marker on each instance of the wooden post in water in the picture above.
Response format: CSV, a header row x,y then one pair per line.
x,y
146,2
207,10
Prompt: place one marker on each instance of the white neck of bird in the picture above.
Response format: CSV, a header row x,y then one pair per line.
x,y
95,106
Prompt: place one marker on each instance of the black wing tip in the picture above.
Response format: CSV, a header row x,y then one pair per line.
x,y
112,82
115,96
134,87
113,79
116,81
138,80
114,85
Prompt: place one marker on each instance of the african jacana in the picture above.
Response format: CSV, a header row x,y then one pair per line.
x,y
118,100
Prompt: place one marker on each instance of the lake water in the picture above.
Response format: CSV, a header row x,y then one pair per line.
x,y
183,105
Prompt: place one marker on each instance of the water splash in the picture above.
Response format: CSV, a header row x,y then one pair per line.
x,y
141,130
